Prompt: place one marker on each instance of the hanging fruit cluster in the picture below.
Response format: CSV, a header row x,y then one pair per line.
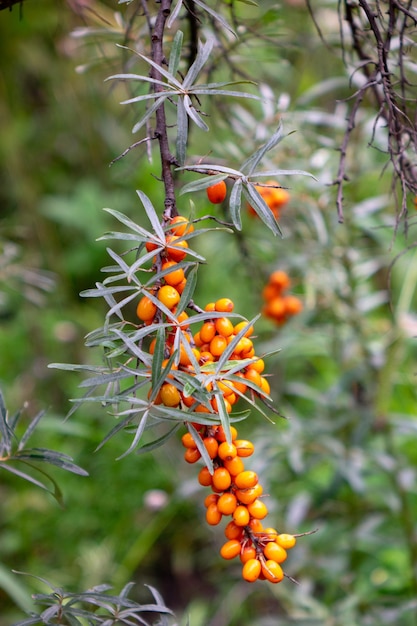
x,y
236,492
280,306
202,375
275,196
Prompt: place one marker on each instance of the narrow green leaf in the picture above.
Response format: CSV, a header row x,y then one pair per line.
x,y
182,131
210,168
5,431
188,292
30,429
175,55
203,54
152,214
192,114
158,68
201,447
156,443
150,112
275,173
157,359
120,426
139,432
50,456
250,164
223,414
202,183
174,14
216,16
235,204
262,209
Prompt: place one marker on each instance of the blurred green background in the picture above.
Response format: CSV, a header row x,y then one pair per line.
x,y
344,459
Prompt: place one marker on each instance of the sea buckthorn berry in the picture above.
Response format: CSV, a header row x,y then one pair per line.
x,y
244,447
181,286
174,277
221,479
207,332
221,435
170,395
218,345
151,245
240,326
224,326
192,455
230,549
213,515
256,526
204,477
258,365
169,296
205,357
179,226
146,309
292,304
272,571
227,503
215,405
276,308
241,516
286,541
217,193
227,451
239,386
176,248
210,306
257,509
188,441
234,466
270,533
265,386
224,305
280,279
247,553
253,376
251,570
246,496
246,479
211,445
274,551
233,531
210,499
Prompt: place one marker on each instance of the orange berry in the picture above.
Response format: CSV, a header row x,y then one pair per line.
x,y
150,246
271,533
213,515
215,405
211,445
232,531
286,541
224,326
256,526
204,477
274,551
192,455
258,365
230,549
272,571
221,435
169,296
276,308
207,332
251,570
253,376
241,516
246,496
280,279
244,447
217,193
197,339
265,386
146,309
181,286
227,503
246,479
176,248
170,395
188,441
179,226
257,509
240,327
224,305
218,345
174,277
212,497
221,479
205,357
234,466
292,304
241,387
210,306
247,553
227,451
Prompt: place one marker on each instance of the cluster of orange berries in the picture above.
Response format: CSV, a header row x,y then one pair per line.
x,y
275,197
237,493
279,306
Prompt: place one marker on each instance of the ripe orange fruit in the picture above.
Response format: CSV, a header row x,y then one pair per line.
x,y
221,435
230,549
211,445
179,226
232,531
251,570
221,479
227,503
272,571
258,509
174,277
286,541
241,516
224,326
247,553
224,305
176,248
188,441
234,466
218,345
170,395
274,551
213,515
207,332
146,309
280,280
227,451
204,477
212,497
192,455
246,479
246,496
217,193
169,296
292,304
244,447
